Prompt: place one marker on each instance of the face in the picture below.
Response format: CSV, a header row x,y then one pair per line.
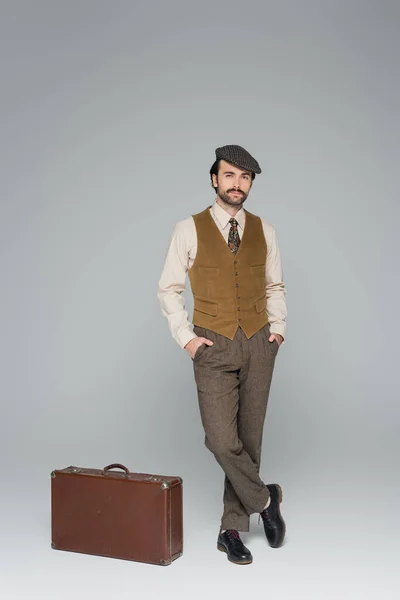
x,y
233,184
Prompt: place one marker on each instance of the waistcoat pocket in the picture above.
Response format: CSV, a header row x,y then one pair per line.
x,y
208,272
206,306
257,270
261,304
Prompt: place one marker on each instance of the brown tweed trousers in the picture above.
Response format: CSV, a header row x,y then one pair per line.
x,y
233,380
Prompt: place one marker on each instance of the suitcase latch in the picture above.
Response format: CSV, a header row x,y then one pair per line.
x,y
164,484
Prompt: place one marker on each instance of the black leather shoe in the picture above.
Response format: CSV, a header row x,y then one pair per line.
x,y
274,525
230,542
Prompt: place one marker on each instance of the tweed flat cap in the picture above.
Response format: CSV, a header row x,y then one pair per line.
x,y
236,155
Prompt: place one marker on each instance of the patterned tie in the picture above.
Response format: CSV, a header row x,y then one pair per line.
x,y
233,237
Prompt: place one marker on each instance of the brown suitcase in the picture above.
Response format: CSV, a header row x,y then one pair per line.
x,y
133,516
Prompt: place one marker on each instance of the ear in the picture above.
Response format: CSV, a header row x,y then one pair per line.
x,y
214,180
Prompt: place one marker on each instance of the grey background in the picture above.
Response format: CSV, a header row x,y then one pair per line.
x,y
110,114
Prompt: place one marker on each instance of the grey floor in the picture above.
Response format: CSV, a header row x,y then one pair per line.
x,y
340,545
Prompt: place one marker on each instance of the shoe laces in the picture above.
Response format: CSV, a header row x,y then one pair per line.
x,y
265,516
232,533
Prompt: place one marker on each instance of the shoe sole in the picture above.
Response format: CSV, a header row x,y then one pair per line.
x,y
280,496
235,562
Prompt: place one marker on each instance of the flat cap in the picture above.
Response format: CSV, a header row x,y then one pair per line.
x,y
238,156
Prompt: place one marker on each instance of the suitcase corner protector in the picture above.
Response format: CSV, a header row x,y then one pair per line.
x,y
53,546
165,562
52,474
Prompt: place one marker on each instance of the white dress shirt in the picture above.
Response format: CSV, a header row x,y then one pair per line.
x,y
180,257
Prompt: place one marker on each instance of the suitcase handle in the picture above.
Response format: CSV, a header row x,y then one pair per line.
x,y
115,466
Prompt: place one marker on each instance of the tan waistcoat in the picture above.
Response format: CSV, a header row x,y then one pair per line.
x,y
229,291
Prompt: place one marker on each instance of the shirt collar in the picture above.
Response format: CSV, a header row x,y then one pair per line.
x,y
223,216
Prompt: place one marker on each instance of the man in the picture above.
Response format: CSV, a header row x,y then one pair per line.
x,y
233,262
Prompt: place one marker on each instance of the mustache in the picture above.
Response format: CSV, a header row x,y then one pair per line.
x,y
233,190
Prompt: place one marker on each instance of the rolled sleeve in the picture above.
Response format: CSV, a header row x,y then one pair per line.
x,y
171,285
275,286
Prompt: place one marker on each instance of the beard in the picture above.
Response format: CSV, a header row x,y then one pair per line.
x,y
232,200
